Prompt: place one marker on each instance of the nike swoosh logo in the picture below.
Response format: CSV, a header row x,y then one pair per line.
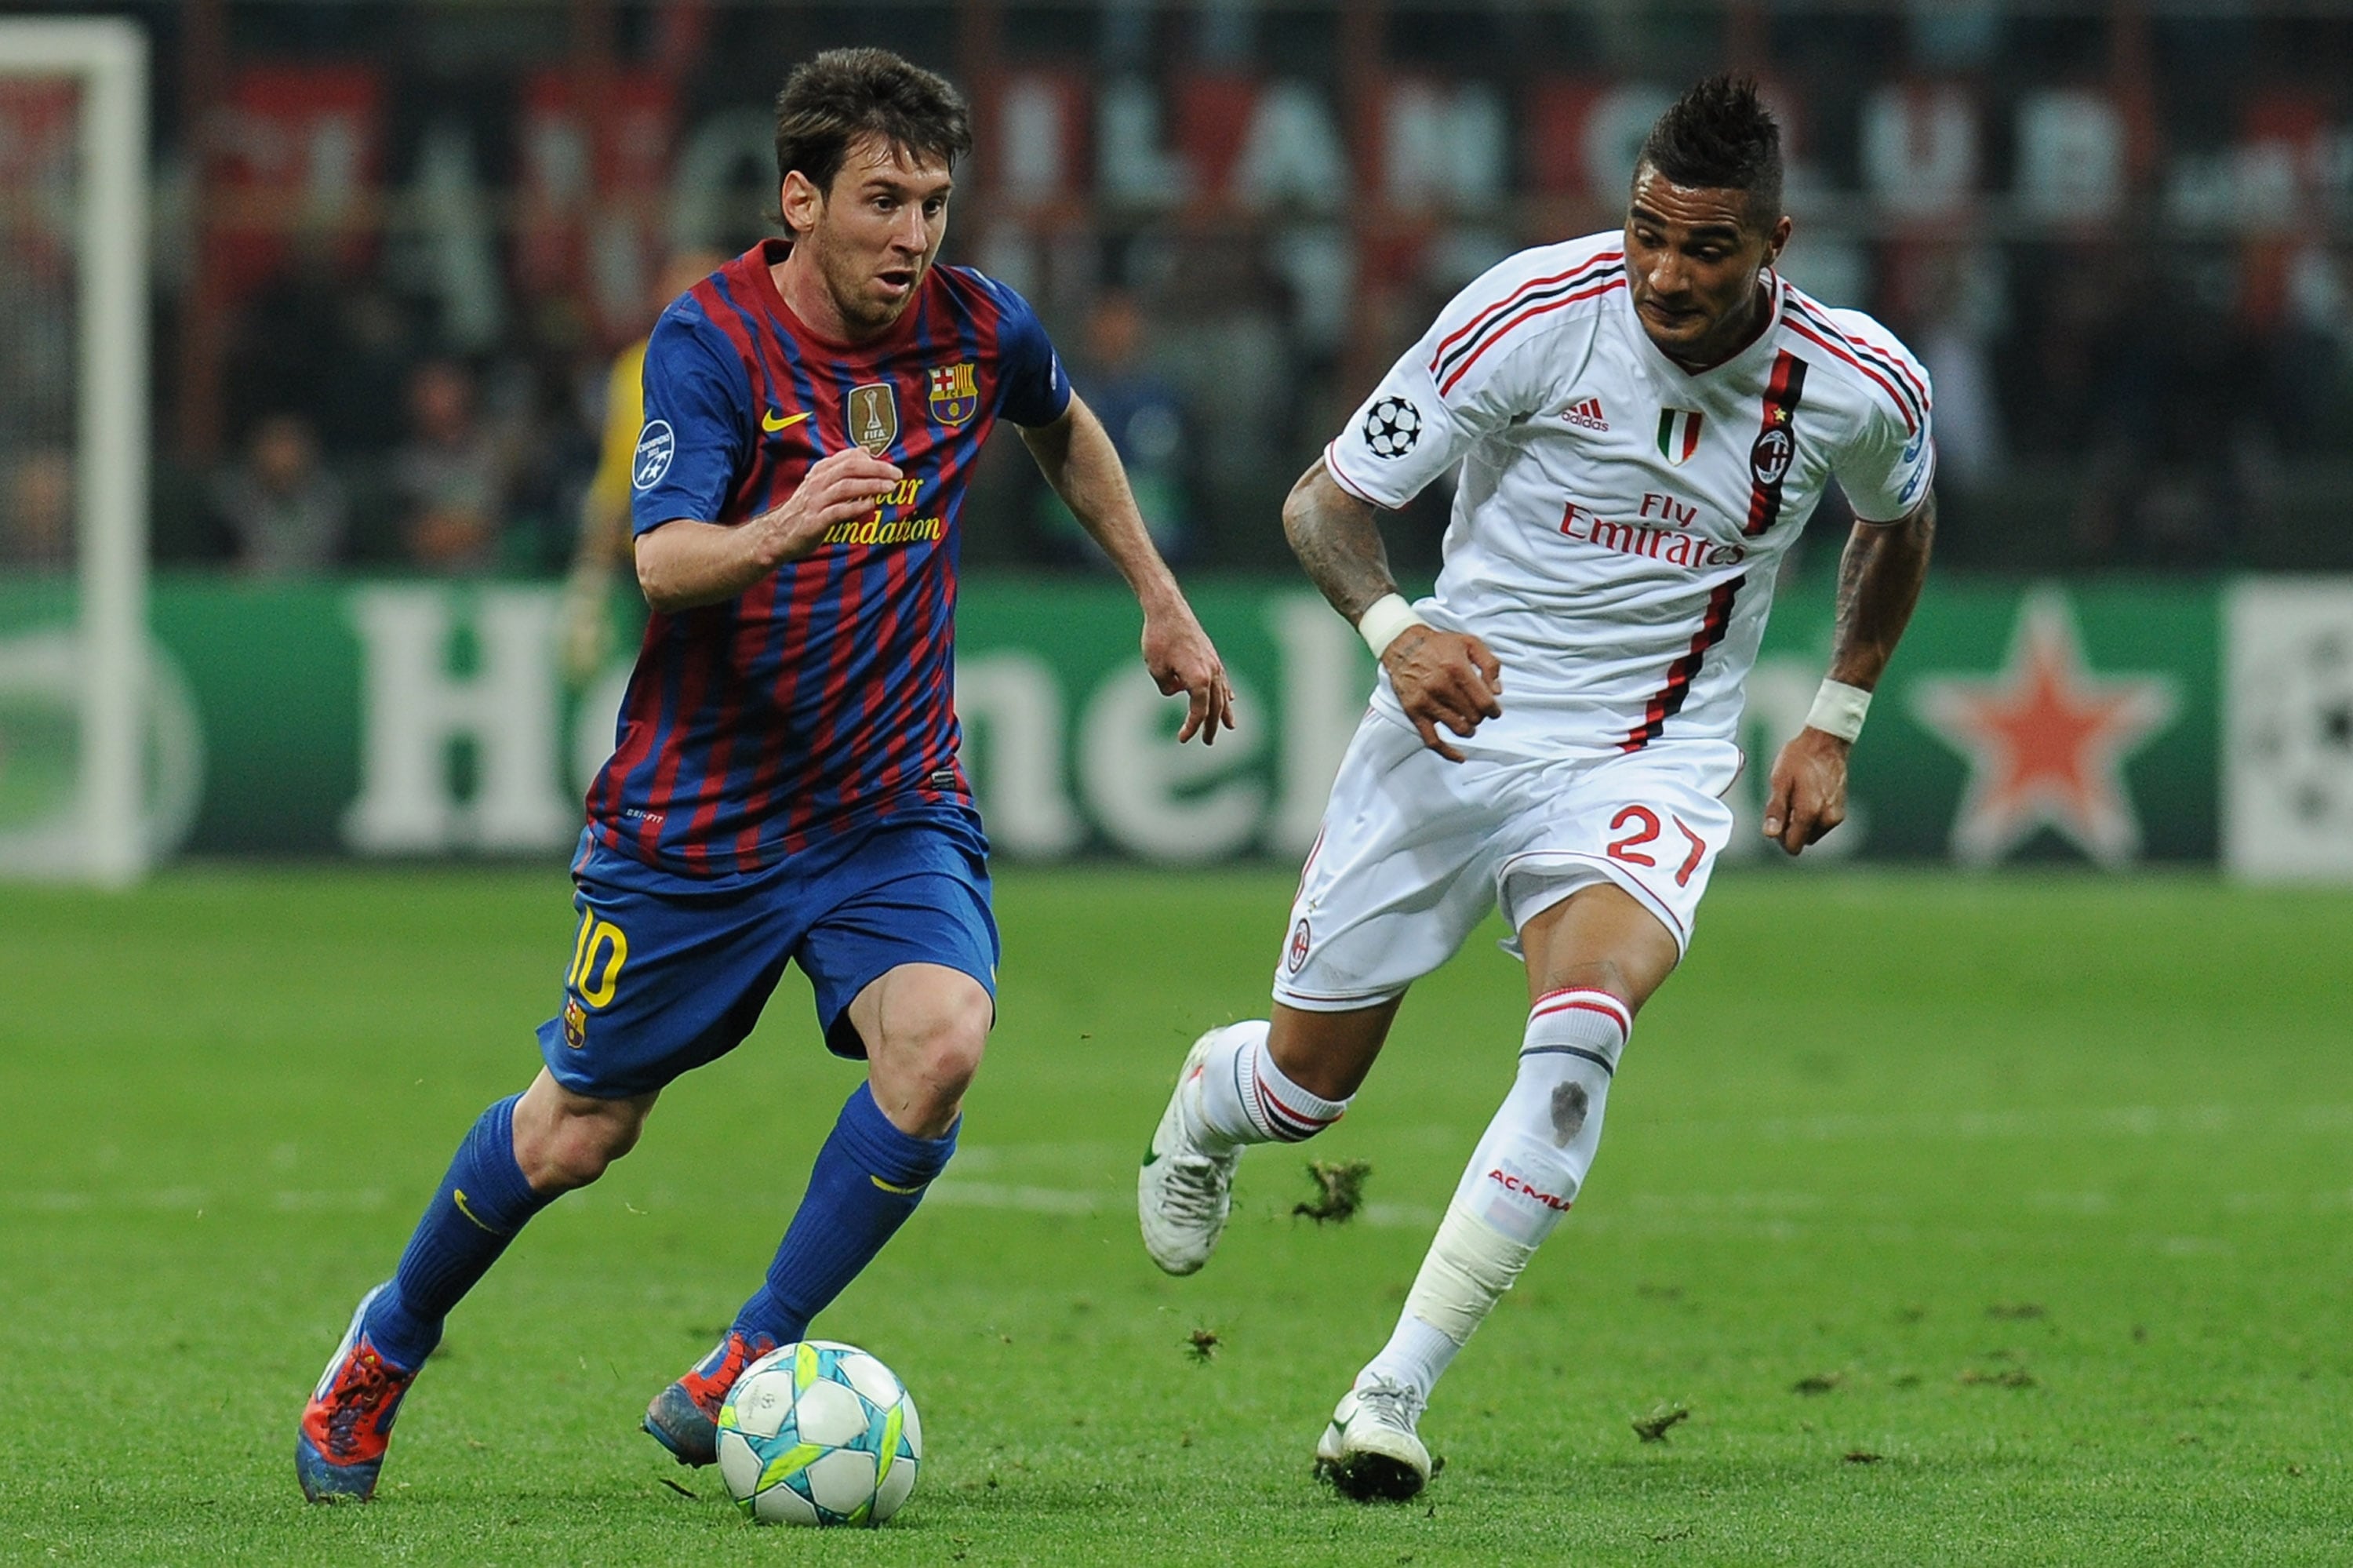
x,y
772,421
1151,1155
887,1187
459,1195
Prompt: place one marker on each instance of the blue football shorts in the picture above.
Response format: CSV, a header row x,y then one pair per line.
x,y
668,972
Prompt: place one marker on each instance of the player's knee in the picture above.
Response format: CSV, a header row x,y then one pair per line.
x,y
924,1038
937,1050
1603,974
578,1148
947,1052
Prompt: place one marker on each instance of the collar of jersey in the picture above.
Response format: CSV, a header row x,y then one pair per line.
x,y
1748,358
770,252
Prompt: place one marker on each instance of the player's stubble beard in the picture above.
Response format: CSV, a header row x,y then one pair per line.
x,y
850,272
1730,332
1727,328
1729,303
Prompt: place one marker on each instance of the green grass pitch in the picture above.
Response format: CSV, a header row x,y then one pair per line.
x,y
1995,1221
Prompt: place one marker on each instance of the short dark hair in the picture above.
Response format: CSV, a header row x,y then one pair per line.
x,y
1720,136
841,95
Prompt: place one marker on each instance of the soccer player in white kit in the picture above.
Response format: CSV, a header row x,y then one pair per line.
x,y
1642,422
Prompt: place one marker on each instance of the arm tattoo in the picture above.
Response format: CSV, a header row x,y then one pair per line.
x,y
1338,544
1879,582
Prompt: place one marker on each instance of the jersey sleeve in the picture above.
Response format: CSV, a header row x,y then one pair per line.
x,y
698,404
1032,388
1892,461
1476,370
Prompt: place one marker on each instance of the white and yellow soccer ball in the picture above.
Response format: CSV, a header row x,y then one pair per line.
x,y
819,1433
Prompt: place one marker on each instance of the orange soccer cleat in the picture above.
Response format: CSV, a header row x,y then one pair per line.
x,y
339,1450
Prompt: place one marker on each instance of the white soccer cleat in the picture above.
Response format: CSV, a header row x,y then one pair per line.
x,y
1184,1191
1370,1449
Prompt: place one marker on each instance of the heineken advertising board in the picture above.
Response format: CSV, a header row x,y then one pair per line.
x,y
2287,780
2043,722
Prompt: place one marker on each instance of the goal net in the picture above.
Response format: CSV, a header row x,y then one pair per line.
x,y
73,448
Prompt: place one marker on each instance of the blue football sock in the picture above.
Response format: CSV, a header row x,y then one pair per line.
x,y
869,1178
483,1203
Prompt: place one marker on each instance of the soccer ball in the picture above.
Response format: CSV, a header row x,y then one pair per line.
x,y
1392,425
819,1432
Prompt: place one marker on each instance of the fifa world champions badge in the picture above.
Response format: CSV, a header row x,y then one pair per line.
x,y
954,394
874,417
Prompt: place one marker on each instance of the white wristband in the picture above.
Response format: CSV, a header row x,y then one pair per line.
x,y
1838,710
1380,624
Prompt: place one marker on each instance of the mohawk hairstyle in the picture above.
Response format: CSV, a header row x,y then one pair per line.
x,y
830,102
1720,136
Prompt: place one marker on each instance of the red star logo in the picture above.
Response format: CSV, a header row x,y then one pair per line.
x,y
2046,741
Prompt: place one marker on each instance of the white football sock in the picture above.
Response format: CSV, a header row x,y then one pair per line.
x,y
1416,1357
1246,1099
1521,1179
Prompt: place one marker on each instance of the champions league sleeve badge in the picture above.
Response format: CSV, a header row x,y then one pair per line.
x,y
1392,425
656,446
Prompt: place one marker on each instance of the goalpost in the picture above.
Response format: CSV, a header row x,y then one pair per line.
x,y
73,260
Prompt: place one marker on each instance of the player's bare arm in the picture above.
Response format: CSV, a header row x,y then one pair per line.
x,y
1076,455
1441,677
1879,582
685,563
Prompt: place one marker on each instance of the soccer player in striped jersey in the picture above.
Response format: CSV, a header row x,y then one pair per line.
x,y
1641,422
785,784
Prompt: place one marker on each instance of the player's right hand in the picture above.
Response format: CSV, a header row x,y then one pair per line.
x,y
1444,677
844,486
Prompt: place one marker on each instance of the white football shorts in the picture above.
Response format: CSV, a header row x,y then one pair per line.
x,y
1415,851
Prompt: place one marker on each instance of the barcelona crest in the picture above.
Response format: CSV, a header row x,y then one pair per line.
x,y
956,393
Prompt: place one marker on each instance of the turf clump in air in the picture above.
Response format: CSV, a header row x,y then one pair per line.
x,y
1339,1191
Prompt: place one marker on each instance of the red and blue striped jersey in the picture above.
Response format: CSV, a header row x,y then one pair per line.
x,y
823,697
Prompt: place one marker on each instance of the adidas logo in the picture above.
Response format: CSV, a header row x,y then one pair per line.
x,y
1587,414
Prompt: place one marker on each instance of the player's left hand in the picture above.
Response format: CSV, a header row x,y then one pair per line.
x,y
1181,658
1805,796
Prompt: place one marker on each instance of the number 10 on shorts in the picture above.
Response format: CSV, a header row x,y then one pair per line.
x,y
597,954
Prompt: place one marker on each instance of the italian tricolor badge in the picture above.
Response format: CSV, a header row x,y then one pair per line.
x,y
1678,434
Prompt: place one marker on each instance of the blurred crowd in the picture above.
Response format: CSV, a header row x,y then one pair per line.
x,y
359,439
2158,385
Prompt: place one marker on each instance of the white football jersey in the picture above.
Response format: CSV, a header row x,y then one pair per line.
x,y
1619,520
